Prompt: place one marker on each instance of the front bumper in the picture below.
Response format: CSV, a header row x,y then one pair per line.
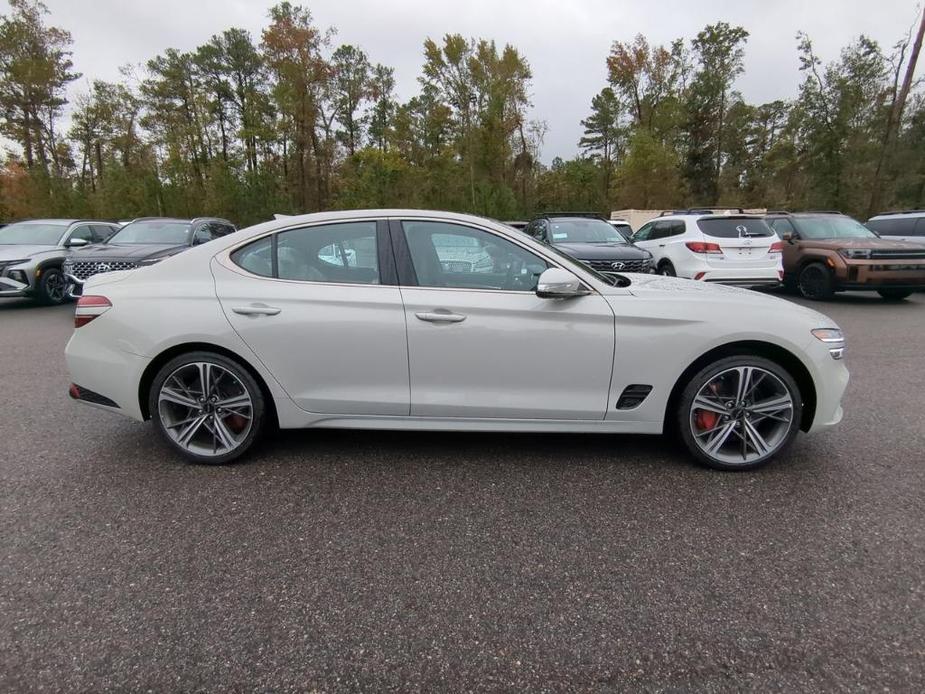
x,y
881,273
10,288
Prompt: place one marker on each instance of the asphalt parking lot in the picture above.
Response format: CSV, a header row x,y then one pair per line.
x,y
379,561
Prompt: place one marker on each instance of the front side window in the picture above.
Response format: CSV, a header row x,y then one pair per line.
x,y
82,232
101,232
455,256
339,253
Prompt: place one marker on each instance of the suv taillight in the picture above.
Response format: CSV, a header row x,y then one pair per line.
x,y
776,247
89,307
701,247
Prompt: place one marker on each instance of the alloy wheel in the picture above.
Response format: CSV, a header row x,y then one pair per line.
x,y
205,409
741,415
814,282
55,286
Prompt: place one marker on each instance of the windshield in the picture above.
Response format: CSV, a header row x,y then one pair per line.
x,y
153,231
613,279
832,227
32,234
584,231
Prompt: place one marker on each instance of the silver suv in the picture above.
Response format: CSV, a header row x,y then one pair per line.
x,y
32,252
899,226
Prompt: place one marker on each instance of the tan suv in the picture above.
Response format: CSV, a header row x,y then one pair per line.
x,y
828,252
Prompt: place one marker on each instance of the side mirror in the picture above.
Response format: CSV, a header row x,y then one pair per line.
x,y
787,236
74,243
556,283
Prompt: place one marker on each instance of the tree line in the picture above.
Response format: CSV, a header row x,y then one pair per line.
x,y
290,121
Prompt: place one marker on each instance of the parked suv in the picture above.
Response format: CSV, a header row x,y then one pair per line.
x,y
145,241
828,252
590,239
32,253
900,226
730,248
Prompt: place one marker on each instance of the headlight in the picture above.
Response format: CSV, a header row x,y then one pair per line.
x,y
855,253
829,334
4,264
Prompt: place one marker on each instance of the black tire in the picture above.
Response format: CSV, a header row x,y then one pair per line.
x,y
52,287
245,379
815,282
895,294
667,269
683,416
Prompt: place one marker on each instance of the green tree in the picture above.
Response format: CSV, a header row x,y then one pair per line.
x,y
602,135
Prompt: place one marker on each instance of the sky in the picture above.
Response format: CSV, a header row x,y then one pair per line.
x,y
566,42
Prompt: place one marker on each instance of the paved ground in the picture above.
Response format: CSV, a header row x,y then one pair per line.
x,y
376,561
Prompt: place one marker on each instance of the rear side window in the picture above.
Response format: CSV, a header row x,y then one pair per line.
x,y
904,226
341,253
725,228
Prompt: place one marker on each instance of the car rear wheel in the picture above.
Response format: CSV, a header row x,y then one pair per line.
x,y
815,282
894,294
667,269
739,412
52,287
208,407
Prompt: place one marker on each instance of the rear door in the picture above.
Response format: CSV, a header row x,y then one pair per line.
x,y
319,305
482,344
745,241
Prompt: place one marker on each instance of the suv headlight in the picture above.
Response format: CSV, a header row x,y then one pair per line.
x,y
4,264
855,253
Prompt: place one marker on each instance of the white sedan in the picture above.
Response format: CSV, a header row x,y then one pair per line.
x,y
367,320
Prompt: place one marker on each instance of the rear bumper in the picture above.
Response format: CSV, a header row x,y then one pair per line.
x,y
740,277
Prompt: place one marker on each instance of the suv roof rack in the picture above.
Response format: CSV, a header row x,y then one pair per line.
x,y
804,212
596,215
702,210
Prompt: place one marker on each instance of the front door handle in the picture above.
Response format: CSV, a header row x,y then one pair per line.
x,y
256,310
439,317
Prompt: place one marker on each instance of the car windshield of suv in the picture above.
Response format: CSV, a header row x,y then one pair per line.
x,y
832,228
153,231
32,234
584,231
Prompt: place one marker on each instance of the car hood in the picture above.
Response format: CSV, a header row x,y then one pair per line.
x,y
603,251
131,251
17,251
720,294
835,244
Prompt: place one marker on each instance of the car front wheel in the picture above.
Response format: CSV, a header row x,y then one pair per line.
x,y
739,412
815,282
208,407
52,287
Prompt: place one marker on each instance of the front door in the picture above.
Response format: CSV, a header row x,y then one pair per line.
x,y
482,344
314,306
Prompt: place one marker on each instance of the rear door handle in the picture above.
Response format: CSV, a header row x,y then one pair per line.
x,y
256,310
438,317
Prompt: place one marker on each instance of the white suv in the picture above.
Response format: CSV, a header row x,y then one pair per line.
x,y
899,226
735,249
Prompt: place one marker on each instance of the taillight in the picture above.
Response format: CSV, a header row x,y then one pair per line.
x,y
89,307
701,247
776,247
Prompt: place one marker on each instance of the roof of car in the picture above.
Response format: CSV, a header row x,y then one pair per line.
x,y
184,220
899,213
594,215
804,213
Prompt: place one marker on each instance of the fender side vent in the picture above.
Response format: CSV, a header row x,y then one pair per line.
x,y
632,396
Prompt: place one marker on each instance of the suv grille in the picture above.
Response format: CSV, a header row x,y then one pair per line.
x,y
897,254
87,268
628,265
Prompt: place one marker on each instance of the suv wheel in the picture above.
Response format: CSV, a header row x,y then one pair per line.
x,y
667,269
894,294
208,407
739,412
815,281
52,289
